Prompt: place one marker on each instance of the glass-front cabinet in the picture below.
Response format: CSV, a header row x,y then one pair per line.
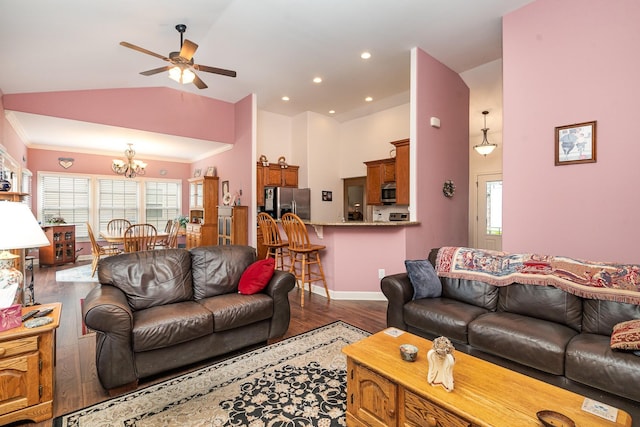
x,y
203,212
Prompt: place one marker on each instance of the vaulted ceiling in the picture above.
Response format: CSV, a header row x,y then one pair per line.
x,y
276,46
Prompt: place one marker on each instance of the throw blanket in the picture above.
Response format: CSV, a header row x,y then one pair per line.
x,y
597,280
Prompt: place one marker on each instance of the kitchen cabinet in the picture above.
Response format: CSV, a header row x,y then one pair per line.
x,y
395,169
378,172
233,225
62,245
27,359
272,175
402,171
203,212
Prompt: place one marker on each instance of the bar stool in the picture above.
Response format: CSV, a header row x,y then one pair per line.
x,y
304,252
276,247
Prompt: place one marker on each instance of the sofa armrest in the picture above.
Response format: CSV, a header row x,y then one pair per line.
x,y
106,311
278,288
399,291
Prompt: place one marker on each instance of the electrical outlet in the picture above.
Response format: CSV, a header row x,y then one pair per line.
x,y
381,273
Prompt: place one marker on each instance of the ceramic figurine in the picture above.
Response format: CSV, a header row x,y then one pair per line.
x,y
441,363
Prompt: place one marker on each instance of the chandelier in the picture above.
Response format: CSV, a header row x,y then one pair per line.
x,y
485,148
129,167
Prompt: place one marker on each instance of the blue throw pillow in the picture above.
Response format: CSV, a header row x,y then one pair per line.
x,y
425,281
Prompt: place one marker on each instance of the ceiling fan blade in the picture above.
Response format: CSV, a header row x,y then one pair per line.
x,y
188,49
199,83
156,70
143,50
208,69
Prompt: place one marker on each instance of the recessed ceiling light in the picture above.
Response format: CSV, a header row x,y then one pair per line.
x,y
332,111
317,79
365,55
368,99
285,98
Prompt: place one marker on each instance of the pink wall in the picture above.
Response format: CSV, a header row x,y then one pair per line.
x,y
162,110
10,139
568,62
237,165
442,155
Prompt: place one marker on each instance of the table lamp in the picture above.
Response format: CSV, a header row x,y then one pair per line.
x,y
18,230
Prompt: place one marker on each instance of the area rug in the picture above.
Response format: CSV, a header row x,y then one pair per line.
x,y
76,274
300,381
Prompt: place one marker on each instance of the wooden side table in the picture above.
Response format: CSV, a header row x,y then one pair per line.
x,y
27,360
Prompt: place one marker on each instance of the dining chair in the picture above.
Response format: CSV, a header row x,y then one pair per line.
x,y
171,242
98,251
117,226
304,252
276,247
140,237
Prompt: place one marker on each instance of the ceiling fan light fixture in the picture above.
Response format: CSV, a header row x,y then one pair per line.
x,y
485,147
181,75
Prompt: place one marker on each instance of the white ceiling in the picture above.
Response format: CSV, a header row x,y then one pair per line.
x,y
276,46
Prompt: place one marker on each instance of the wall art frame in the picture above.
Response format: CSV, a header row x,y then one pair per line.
x,y
575,143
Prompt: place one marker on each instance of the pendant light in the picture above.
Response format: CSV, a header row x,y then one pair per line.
x,y
485,148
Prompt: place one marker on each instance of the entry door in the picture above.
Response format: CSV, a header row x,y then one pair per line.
x,y
489,218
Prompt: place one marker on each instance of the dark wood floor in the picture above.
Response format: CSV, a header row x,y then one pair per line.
x,y
77,385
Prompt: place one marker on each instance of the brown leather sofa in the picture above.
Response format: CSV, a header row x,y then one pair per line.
x,y
540,331
159,310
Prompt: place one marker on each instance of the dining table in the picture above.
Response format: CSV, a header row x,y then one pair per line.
x,y
119,238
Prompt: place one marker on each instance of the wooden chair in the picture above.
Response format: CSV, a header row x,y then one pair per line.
x,y
171,242
117,226
276,247
140,237
98,251
304,252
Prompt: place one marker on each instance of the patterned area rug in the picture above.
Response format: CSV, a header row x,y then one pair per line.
x,y
300,381
76,274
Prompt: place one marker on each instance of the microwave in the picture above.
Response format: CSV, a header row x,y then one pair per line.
x,y
388,193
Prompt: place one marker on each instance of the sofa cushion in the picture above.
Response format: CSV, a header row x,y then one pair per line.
x,y
256,277
472,292
231,311
149,278
442,317
423,277
542,302
170,324
217,270
600,316
590,361
626,335
532,342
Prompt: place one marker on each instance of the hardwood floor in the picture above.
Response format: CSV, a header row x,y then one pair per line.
x,y
77,384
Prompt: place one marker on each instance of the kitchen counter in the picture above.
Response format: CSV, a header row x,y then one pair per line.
x,y
318,226
363,223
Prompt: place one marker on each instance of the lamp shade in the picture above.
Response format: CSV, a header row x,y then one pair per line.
x,y
19,228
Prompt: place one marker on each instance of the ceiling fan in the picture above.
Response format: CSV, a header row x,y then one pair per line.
x,y
182,66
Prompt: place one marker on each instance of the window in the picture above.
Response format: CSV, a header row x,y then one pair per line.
x,y
162,203
117,199
65,196
97,199
494,207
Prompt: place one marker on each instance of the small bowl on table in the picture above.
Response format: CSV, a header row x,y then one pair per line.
x,y
408,352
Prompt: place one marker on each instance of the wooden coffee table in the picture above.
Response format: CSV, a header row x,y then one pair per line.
x,y
384,390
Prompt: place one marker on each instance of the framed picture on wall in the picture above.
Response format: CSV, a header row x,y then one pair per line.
x,y
575,144
197,173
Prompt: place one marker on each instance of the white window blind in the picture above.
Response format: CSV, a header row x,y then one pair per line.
x,y
67,197
117,199
162,202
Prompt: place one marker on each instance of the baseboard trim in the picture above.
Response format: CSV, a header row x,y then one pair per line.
x,y
349,295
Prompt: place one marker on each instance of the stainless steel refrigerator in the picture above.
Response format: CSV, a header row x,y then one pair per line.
x,y
280,200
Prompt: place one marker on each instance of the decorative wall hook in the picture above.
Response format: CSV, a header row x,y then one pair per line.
x,y
65,162
448,189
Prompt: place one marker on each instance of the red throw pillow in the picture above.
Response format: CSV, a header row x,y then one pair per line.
x,y
256,277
